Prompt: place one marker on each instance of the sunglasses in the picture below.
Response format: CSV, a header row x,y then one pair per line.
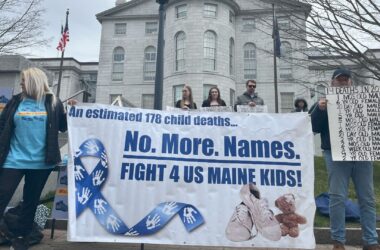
x,y
251,86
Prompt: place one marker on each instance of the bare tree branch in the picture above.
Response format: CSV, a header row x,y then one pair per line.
x,y
21,25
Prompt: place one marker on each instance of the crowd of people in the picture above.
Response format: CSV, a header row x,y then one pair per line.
x,y
31,120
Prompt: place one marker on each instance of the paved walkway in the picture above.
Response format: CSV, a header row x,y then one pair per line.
x,y
59,243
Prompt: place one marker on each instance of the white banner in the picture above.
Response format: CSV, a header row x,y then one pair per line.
x,y
250,109
354,123
191,178
217,109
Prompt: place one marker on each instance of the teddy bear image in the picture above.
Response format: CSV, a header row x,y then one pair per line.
x,y
288,219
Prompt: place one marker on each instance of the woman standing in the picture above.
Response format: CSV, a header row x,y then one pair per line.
x,y
29,126
213,99
187,99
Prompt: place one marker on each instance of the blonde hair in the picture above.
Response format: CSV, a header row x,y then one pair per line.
x,y
36,84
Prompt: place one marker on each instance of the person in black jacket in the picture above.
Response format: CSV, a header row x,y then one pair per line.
x,y
214,99
187,101
339,174
29,126
300,105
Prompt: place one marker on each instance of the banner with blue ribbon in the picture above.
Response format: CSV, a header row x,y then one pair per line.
x,y
88,195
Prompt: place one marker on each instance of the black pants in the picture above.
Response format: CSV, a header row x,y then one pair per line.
x,y
34,183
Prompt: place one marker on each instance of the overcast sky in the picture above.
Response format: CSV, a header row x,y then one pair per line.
x,y
83,26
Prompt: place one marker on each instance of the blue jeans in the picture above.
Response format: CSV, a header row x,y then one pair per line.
x,y
339,173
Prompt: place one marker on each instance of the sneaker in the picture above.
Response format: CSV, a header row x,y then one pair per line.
x,y
19,243
262,216
239,227
372,247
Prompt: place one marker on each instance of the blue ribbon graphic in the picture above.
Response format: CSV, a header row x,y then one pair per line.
x,y
88,195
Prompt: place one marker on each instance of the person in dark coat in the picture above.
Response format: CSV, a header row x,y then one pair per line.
x,y
300,105
187,101
214,99
29,126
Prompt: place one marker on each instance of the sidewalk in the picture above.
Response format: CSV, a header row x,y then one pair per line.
x,y
60,243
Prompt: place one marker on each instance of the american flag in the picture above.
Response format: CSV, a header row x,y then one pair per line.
x,y
65,35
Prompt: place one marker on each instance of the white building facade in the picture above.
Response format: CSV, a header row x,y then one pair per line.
x,y
207,43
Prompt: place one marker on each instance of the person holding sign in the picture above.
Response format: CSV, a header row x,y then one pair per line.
x,y
339,174
29,148
187,99
249,97
213,99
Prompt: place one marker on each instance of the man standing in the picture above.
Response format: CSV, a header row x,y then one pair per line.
x,y
339,173
249,97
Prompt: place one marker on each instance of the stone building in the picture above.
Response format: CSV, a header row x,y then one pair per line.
x,y
76,76
207,43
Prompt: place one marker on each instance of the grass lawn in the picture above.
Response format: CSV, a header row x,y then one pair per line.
x,y
320,186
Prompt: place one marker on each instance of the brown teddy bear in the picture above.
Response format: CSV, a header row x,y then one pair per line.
x,y
289,219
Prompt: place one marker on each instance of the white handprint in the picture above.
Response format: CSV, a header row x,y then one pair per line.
x,y
86,194
77,154
78,172
131,232
98,205
113,222
152,223
169,207
97,180
188,215
91,147
104,159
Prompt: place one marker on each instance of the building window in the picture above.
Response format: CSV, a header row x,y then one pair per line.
x,y
232,17
286,60
287,102
181,11
209,10
151,27
209,51
177,93
232,56
150,63
232,97
283,23
249,61
118,64
206,89
249,24
180,51
120,28
113,97
147,101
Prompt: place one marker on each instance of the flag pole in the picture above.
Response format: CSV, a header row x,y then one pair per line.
x,y
60,74
61,63
159,78
275,61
